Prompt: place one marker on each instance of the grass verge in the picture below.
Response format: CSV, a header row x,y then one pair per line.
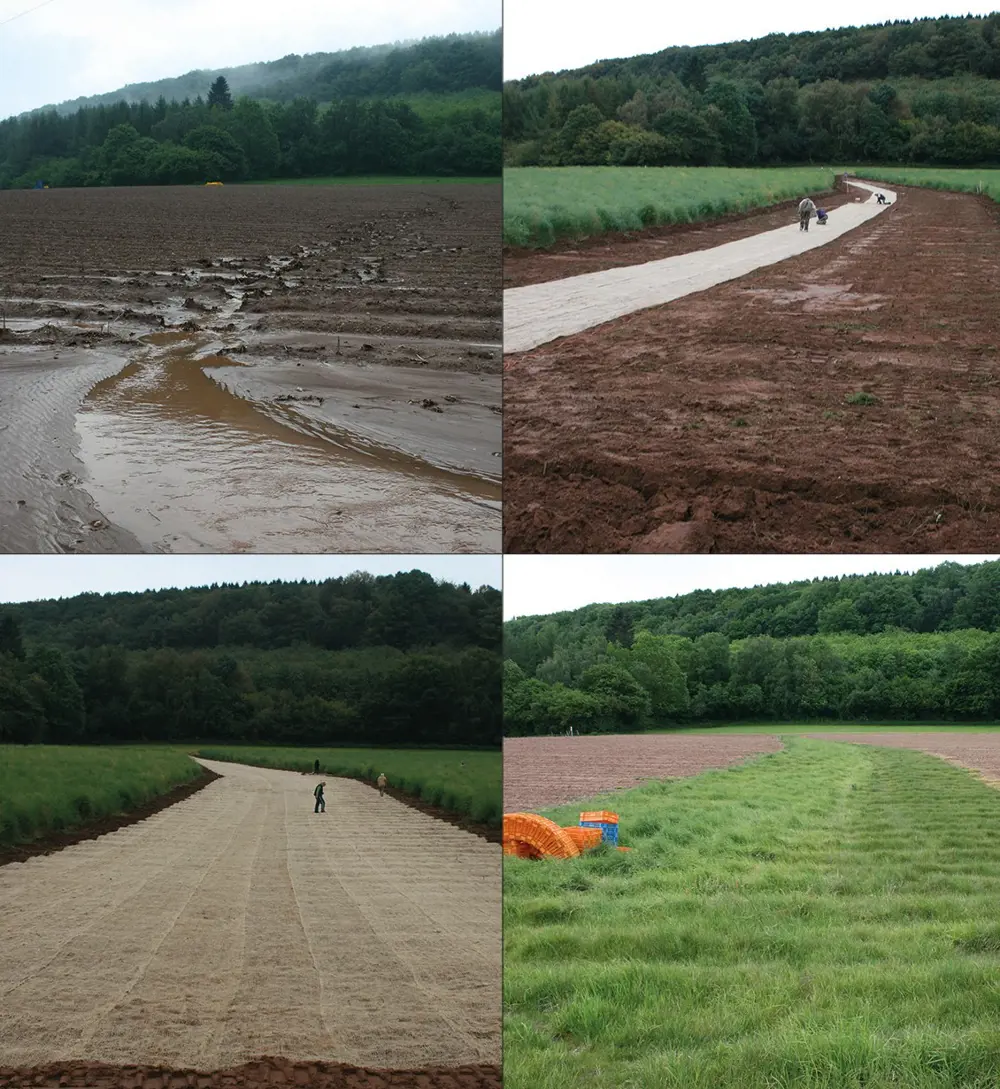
x,y
933,177
46,789
821,918
545,204
464,782
388,179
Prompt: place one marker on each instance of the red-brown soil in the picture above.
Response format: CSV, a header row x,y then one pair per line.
x,y
257,1075
720,422
979,752
56,841
522,267
539,772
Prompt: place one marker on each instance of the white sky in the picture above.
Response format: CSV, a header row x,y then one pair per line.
x,y
32,578
70,48
538,585
551,35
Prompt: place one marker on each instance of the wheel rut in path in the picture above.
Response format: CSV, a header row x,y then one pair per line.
x,y
239,924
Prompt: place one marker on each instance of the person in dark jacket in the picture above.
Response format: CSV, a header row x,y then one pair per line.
x,y
320,806
822,216
316,768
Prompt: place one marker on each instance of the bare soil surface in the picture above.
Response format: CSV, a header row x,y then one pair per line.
x,y
258,1075
522,267
239,924
978,752
721,422
251,368
539,772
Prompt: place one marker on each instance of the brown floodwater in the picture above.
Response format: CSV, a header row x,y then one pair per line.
x,y
185,465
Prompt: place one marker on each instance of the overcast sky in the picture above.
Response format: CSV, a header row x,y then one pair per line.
x,y
537,585
69,48
31,578
550,35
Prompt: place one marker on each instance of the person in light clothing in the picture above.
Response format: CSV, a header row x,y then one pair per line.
x,y
381,782
806,210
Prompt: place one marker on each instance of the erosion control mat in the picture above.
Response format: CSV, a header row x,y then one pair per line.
x,y
56,841
251,369
539,772
256,1075
240,923
841,401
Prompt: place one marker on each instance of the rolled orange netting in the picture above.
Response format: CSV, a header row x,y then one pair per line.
x,y
528,835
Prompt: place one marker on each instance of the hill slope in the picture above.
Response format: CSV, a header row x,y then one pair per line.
x,y
921,91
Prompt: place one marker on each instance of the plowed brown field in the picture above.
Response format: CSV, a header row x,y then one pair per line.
x,y
251,368
724,421
539,772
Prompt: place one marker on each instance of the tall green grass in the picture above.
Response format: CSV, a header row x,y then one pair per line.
x,y
387,179
54,788
436,776
933,177
545,204
822,918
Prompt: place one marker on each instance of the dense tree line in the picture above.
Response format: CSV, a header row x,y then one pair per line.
x,y
170,143
898,647
923,91
444,65
362,660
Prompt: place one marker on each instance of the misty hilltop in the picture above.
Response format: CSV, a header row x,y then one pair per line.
x,y
441,65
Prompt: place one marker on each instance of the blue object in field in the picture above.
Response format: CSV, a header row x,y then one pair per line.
x,y
609,832
39,185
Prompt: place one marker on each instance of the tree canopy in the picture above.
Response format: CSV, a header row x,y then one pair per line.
x,y
362,660
921,91
920,647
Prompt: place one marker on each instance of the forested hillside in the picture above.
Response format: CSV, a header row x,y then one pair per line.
x,y
923,91
898,647
432,108
360,660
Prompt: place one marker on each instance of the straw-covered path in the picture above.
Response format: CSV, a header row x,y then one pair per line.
x,y
238,923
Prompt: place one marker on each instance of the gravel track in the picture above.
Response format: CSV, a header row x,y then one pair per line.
x,y
539,772
238,924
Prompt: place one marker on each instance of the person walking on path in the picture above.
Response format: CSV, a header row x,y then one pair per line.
x,y
806,209
320,806
381,782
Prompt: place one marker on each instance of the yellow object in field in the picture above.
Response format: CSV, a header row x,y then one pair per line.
x,y
213,183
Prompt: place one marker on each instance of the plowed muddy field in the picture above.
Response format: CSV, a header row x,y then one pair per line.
x,y
238,924
539,772
251,368
979,751
845,400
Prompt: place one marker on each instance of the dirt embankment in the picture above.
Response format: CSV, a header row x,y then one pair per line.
x,y
335,383
262,1074
539,772
842,401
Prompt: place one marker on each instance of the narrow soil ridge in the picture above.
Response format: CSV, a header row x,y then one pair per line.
x,y
254,1075
56,841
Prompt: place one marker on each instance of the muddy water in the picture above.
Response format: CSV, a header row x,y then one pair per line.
x,y
184,465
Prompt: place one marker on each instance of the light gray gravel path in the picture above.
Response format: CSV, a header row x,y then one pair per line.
x,y
540,313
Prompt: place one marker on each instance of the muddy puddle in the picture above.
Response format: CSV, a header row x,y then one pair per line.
x,y
183,464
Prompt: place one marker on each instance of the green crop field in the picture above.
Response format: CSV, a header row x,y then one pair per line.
x,y
966,181
545,204
822,918
436,776
53,788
